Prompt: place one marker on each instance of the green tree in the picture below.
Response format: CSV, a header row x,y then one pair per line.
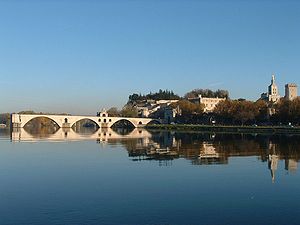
x,y
129,111
113,111
160,95
207,93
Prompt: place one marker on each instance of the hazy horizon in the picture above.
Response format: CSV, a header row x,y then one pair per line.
x,y
81,56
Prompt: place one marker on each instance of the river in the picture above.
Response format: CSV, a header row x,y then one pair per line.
x,y
148,177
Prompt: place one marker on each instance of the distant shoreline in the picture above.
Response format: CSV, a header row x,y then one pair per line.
x,y
226,129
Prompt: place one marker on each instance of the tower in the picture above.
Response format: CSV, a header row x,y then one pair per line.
x,y
290,92
273,94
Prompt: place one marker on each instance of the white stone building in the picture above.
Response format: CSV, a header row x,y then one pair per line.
x,y
209,103
150,107
273,94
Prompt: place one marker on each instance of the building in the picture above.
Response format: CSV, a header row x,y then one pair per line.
x,y
209,103
170,114
150,108
273,94
290,92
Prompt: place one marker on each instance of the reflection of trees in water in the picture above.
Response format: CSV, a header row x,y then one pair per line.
x,y
123,130
287,146
4,132
216,148
41,127
85,130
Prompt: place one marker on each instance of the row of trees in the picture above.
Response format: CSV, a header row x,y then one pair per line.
x,y
248,112
170,95
287,112
241,112
207,93
160,95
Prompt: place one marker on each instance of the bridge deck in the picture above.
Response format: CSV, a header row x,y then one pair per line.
x,y
20,120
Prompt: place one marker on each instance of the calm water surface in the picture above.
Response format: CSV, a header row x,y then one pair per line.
x,y
142,177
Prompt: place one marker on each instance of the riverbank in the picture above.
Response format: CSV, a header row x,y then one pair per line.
x,y
226,129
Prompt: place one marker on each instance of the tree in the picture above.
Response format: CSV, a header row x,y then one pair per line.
x,y
160,95
113,111
188,108
129,111
240,112
207,93
5,118
287,111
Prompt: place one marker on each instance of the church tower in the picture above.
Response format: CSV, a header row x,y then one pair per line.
x,y
273,93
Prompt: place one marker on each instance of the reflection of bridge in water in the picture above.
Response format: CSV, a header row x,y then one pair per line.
x,y
65,134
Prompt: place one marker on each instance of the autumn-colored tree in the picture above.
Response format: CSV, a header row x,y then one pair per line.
x,y
240,111
188,108
261,108
287,111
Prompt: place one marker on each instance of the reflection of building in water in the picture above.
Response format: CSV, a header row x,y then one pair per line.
x,y
276,153
273,164
273,160
291,165
162,148
209,155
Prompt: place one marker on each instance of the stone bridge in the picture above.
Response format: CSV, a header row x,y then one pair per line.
x,y
67,121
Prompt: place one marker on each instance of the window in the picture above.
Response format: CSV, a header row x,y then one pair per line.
x,y
66,120
104,120
99,120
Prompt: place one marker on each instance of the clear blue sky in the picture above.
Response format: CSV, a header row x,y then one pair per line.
x,y
79,56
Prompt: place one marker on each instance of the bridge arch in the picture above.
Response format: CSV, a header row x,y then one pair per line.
x,y
154,121
96,122
27,121
125,120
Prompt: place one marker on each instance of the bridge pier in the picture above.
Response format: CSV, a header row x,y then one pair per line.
x,y
15,121
104,125
66,125
16,125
